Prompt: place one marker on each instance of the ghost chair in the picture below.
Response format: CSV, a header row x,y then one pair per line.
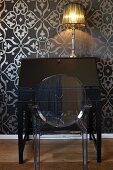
x,y
60,102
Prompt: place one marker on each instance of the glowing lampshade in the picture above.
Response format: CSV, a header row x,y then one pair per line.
x,y
74,14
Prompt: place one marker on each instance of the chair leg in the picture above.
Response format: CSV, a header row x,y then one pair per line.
x,y
36,136
37,152
27,123
85,151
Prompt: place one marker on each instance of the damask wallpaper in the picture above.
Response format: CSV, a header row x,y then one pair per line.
x,y
33,28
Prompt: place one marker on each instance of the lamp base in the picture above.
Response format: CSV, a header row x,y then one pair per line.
x,y
72,55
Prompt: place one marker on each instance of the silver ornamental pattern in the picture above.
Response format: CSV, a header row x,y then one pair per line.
x,y
33,28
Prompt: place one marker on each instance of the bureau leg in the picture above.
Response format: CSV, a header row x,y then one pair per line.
x,y
20,133
98,146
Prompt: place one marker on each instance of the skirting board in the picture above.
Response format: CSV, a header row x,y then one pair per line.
x,y
60,136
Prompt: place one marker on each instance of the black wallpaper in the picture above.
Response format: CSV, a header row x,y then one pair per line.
x,y
33,28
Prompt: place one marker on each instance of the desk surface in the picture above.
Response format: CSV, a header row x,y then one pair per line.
x,y
33,70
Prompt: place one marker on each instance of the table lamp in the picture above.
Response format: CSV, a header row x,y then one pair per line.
x,y
74,16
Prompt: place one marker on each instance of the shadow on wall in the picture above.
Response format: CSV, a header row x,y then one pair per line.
x,y
85,44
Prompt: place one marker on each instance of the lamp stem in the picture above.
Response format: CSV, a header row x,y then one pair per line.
x,y
73,42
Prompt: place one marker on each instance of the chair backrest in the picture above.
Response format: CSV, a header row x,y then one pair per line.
x,y
60,98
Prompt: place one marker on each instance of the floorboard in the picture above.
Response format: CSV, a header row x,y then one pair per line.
x,y
55,155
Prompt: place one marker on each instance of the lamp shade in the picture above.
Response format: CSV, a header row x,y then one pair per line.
x,y
74,14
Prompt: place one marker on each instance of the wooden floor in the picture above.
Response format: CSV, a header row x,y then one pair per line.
x,y
55,155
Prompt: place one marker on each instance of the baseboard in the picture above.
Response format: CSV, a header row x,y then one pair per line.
x,y
59,136
107,135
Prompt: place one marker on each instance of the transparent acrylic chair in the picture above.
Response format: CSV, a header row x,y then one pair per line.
x,y
60,102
